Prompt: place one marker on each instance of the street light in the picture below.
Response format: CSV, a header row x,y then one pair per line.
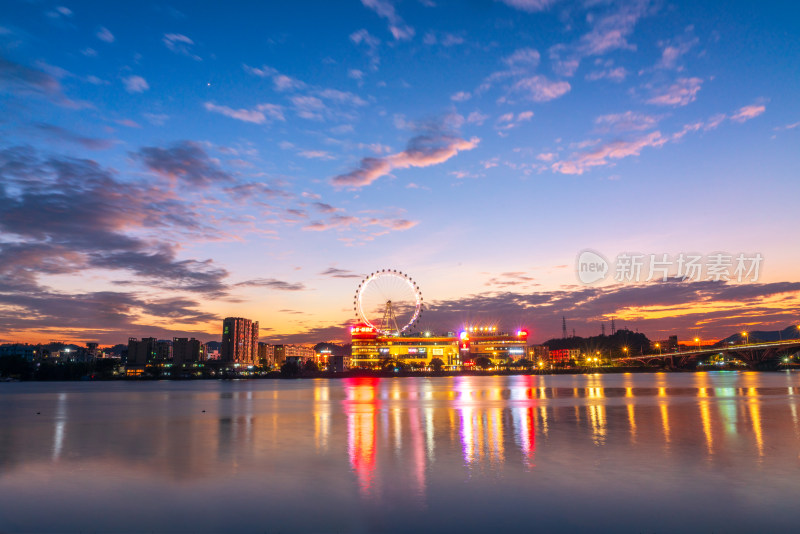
x,y
697,340
744,335
625,350
658,346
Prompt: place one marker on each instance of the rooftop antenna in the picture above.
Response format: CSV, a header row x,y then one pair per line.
x,y
563,327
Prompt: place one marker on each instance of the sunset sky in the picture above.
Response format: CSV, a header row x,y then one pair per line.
x,y
163,166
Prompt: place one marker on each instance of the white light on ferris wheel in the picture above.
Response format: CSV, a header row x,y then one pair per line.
x,y
389,301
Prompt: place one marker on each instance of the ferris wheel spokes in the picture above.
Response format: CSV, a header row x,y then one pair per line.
x,y
389,301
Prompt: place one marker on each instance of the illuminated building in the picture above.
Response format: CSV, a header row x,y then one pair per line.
x,y
563,356
297,353
538,353
140,353
371,348
487,342
266,354
239,341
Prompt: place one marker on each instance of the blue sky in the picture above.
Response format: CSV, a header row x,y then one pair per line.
x,y
167,165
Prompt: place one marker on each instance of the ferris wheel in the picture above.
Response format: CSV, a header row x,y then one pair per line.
x,y
389,301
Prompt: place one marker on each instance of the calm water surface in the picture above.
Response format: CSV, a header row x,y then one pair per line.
x,y
700,452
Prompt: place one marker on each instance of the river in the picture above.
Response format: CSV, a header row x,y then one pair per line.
x,y
665,452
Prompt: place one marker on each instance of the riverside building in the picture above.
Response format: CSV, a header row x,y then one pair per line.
x,y
239,341
371,348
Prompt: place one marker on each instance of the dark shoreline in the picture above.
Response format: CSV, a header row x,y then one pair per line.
x,y
366,373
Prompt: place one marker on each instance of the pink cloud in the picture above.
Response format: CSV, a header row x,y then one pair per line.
x,y
541,89
748,112
531,6
422,151
617,74
580,163
682,92
260,115
628,121
337,221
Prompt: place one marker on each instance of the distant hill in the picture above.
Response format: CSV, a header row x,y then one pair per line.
x,y
635,342
763,336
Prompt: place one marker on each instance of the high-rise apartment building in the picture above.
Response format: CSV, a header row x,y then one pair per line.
x,y
140,353
266,354
186,350
239,341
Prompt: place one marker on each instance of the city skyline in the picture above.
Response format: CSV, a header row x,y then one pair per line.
x,y
162,168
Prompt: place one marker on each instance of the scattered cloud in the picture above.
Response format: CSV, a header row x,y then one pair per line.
x,y
604,154
135,84
94,221
316,154
61,134
461,96
422,151
523,58
185,161
531,6
59,11
616,74
42,82
385,9
333,272
337,221
541,89
342,97
443,38
609,32
657,308
281,82
324,208
673,50
156,119
791,126
508,121
180,44
681,93
309,107
261,114
363,37
626,122
476,117
748,112
105,35
272,283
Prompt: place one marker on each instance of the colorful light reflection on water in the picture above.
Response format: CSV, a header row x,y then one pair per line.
x,y
568,453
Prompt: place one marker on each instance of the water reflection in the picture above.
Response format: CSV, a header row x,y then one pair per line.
x,y
398,443
360,407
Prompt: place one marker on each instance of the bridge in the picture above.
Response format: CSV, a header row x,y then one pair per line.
x,y
755,355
